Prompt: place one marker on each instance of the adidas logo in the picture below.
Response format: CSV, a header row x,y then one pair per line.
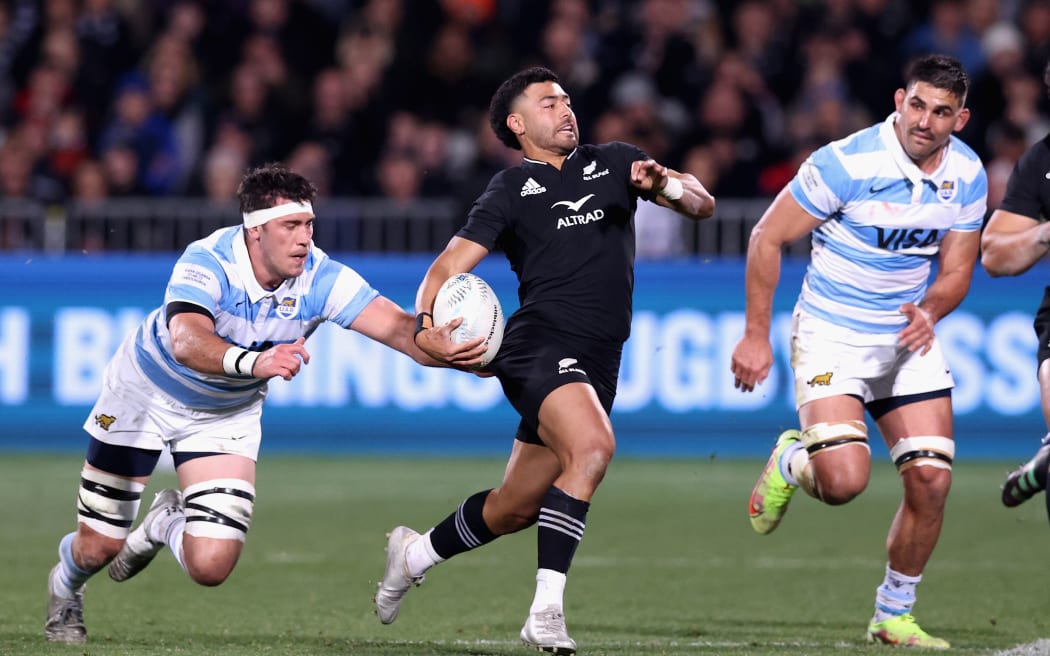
x,y
531,187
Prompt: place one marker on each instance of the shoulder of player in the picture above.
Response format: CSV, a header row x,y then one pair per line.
x,y
1034,163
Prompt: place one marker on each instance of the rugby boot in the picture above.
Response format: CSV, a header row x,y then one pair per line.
x,y
65,615
545,631
903,631
397,579
771,494
1029,479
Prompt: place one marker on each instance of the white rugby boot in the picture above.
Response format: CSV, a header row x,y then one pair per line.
x,y
545,631
139,550
397,579
65,616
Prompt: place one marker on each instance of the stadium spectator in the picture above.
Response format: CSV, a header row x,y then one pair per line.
x,y
107,51
176,94
223,168
121,163
1006,143
137,124
398,177
253,110
564,441
67,146
89,182
1003,45
313,161
817,68
1017,236
863,336
1034,23
947,30
185,382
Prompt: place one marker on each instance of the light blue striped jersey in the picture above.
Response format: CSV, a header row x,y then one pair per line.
x,y
883,220
215,274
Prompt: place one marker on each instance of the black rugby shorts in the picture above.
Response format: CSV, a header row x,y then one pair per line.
x,y
533,362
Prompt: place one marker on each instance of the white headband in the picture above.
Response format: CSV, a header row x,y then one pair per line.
x,y
259,217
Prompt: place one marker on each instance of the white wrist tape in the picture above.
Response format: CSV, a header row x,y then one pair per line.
x,y
239,362
673,190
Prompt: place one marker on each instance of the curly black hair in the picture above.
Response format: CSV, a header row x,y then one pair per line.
x,y
261,186
506,94
942,72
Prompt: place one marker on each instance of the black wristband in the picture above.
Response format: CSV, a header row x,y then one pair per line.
x,y
419,323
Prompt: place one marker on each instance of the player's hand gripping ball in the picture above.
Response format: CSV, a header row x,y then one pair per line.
x,y
468,296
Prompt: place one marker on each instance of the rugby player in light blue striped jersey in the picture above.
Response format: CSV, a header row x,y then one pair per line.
x,y
238,308
882,205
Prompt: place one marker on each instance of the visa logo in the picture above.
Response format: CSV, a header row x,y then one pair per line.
x,y
899,238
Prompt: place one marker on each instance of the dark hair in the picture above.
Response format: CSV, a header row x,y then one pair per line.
x,y
261,186
941,71
506,94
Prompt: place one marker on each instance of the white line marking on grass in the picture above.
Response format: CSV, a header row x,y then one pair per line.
x,y
1037,648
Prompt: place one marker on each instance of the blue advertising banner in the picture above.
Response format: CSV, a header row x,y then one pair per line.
x,y
64,317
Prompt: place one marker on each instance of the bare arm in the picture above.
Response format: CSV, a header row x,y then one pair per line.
x,y
783,223
460,256
386,323
1012,243
195,345
695,202
958,256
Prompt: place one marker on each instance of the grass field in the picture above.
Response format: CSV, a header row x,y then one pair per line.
x,y
669,565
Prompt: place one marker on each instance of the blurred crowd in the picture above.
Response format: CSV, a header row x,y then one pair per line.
x,y
388,98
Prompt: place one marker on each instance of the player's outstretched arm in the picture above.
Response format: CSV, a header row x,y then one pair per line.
x,y
681,192
195,345
385,322
1011,243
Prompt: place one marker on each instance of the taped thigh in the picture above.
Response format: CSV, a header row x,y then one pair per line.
x,y
220,508
828,436
108,504
923,451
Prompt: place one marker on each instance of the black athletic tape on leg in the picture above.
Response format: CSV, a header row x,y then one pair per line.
x,y
823,445
920,453
214,516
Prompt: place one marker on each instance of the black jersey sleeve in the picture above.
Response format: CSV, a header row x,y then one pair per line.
x,y
1028,189
488,217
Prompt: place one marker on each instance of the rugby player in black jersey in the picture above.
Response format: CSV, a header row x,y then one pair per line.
x,y
564,219
1016,237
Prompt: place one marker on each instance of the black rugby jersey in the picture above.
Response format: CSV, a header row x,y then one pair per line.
x,y
1028,190
569,237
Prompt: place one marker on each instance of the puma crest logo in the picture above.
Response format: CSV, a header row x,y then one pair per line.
x,y
821,379
105,421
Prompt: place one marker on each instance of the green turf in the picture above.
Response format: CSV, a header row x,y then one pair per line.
x,y
669,565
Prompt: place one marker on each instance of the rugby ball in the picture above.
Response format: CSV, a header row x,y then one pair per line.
x,y
468,296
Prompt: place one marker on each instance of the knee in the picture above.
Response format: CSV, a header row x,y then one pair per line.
x,y
930,485
836,490
593,457
210,568
842,475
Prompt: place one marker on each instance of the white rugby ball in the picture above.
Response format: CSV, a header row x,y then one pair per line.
x,y
468,296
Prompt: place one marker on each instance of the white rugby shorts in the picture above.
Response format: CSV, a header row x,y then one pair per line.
x,y
830,360
131,411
